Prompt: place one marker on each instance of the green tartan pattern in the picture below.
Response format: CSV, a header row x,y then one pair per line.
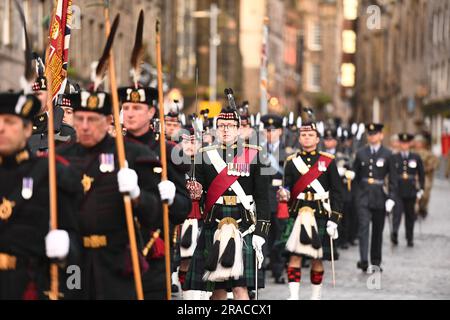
x,y
322,231
194,276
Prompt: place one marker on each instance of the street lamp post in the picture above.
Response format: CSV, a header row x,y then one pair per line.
x,y
214,42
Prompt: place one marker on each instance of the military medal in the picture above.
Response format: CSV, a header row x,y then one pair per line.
x,y
6,208
380,163
322,166
106,162
27,188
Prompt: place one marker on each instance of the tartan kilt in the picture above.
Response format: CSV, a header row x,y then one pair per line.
x,y
322,232
194,276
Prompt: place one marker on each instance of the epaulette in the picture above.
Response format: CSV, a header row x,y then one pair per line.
x,y
292,156
252,146
326,154
204,149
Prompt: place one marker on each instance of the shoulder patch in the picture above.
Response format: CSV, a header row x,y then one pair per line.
x,y
204,149
326,154
252,146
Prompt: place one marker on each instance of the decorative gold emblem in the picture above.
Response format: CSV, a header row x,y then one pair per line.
x,y
92,102
27,108
55,30
372,127
22,156
87,183
6,208
270,121
135,97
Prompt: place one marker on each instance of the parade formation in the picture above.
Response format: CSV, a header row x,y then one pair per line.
x,y
139,192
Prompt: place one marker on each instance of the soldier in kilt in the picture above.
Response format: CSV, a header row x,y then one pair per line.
x,y
314,190
233,231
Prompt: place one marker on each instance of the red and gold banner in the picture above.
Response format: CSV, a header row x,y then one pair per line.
x,y
58,49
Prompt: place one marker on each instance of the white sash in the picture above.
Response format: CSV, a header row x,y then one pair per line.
x,y
316,185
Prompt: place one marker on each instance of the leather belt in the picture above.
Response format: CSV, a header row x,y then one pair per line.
x,y
374,181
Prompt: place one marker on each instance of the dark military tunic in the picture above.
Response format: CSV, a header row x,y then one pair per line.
x,y
410,174
106,268
370,173
331,183
257,185
154,280
24,223
63,132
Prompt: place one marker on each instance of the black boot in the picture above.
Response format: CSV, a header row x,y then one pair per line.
x,y
394,238
363,265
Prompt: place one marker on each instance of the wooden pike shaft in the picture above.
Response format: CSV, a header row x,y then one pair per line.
x,y
121,154
54,283
162,144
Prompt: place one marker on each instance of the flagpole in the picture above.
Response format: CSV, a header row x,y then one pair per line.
x,y
121,155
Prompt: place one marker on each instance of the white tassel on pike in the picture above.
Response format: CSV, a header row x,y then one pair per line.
x,y
306,219
189,251
225,233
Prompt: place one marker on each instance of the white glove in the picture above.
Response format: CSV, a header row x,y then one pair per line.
x,y
389,205
350,175
257,243
128,182
419,194
332,229
341,171
167,191
57,244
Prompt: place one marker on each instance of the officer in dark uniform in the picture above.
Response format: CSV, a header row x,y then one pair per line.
x,y
64,133
234,183
372,165
275,155
26,244
343,163
410,172
106,266
138,106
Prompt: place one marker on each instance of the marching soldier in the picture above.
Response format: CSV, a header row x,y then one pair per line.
x,y
172,120
276,155
410,172
344,162
234,182
26,244
430,164
314,191
64,133
191,227
106,259
372,165
343,165
138,108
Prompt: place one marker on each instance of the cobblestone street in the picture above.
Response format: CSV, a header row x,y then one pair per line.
x,y
422,272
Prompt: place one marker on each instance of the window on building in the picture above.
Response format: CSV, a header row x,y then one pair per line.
x,y
349,41
314,77
6,22
435,29
348,72
350,9
316,37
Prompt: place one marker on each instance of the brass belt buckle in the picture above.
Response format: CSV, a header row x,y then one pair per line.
x,y
7,262
309,196
371,181
94,241
229,200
